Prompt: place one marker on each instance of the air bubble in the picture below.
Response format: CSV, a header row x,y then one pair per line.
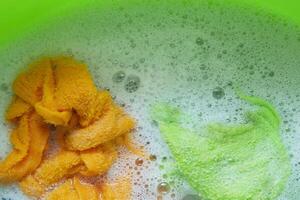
x,y
271,74
142,60
199,41
163,188
139,162
132,83
172,45
218,93
241,45
132,45
118,77
152,157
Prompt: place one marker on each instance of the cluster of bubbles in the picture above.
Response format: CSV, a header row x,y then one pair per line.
x,y
132,82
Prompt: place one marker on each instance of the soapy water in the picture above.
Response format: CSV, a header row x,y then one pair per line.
x,y
191,56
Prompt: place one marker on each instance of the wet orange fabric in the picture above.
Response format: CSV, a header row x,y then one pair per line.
x,y
20,139
30,140
16,109
65,191
86,191
30,186
28,85
112,124
97,161
73,189
52,170
57,86
47,107
120,190
55,168
75,90
60,91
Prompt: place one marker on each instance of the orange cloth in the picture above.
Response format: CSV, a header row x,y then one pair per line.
x,y
112,124
16,109
74,190
120,190
65,191
29,141
51,171
97,161
88,124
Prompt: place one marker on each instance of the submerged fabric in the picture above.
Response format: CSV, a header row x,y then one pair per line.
x,y
229,162
29,141
57,97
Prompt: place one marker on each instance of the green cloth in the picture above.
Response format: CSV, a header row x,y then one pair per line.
x,y
229,162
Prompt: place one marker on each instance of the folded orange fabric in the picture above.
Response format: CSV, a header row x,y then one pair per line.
x,y
59,94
